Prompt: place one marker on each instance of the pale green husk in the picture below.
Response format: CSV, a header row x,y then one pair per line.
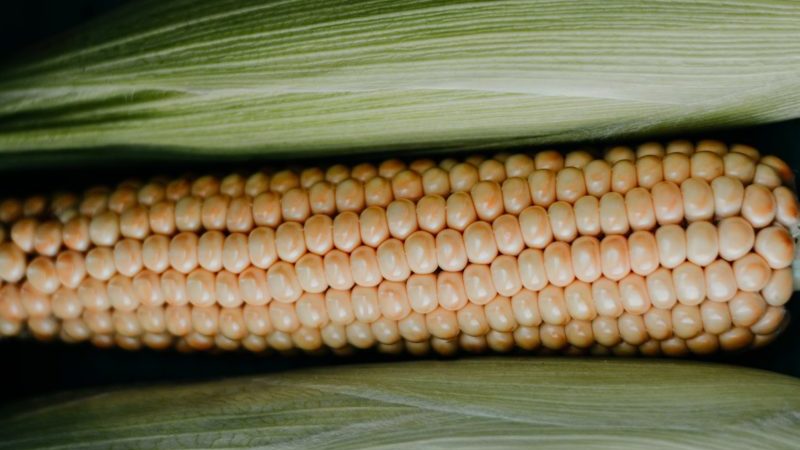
x,y
476,403
303,77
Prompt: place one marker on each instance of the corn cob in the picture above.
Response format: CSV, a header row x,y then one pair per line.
x,y
658,250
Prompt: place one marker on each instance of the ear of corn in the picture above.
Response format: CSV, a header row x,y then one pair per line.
x,y
246,77
513,403
658,250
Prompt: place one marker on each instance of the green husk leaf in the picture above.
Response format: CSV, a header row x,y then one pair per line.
x,y
475,403
305,77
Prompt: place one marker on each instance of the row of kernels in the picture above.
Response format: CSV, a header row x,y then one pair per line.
x,y
683,321
612,213
490,198
710,160
711,146
345,340
546,339
687,284
475,321
639,209
554,176
586,259
711,323
614,257
554,181
481,241
486,169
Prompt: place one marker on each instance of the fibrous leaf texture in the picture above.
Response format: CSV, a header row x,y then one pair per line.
x,y
473,403
306,77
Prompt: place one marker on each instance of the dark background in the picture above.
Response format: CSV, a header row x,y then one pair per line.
x,y
29,369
